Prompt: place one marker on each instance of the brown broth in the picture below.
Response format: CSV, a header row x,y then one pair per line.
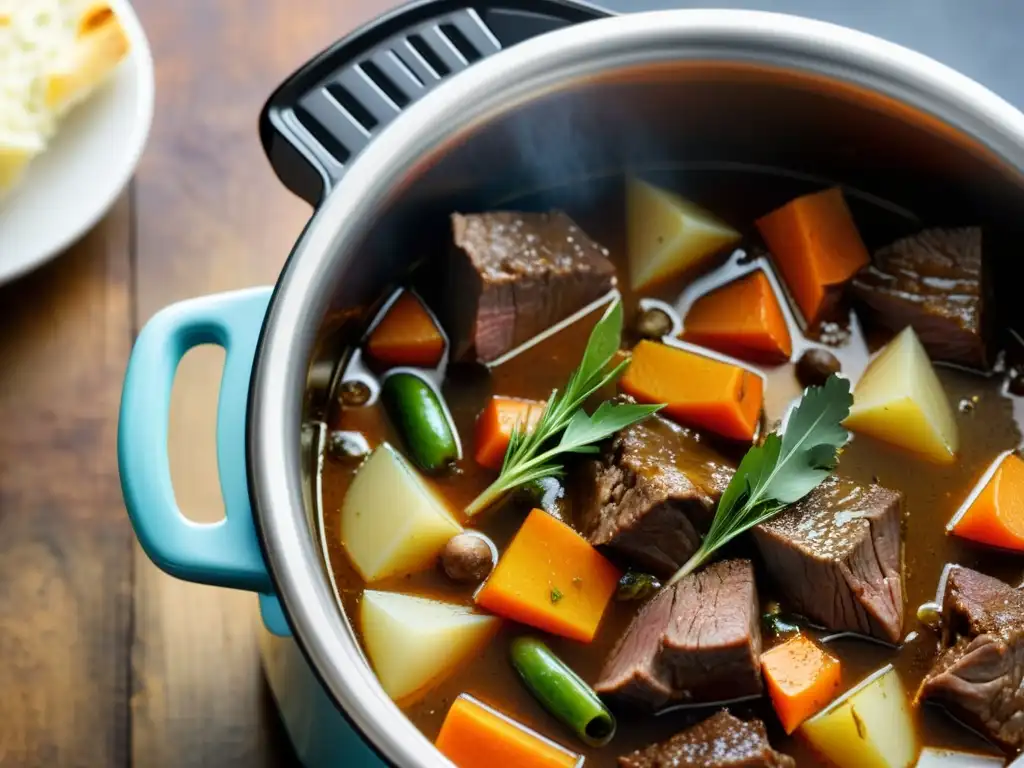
x,y
932,495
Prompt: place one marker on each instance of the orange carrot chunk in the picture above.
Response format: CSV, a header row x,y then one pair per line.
x,y
698,391
742,319
801,680
996,516
475,736
406,335
549,577
495,424
817,248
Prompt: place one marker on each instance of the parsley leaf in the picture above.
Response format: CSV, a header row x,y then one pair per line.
x,y
782,470
583,431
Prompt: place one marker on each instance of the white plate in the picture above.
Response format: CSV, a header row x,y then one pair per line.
x,y
72,185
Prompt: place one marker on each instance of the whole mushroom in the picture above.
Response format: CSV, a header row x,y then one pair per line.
x,y
467,558
815,366
654,323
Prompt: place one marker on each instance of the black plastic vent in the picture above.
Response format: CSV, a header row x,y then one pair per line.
x,y
430,55
462,44
322,135
402,86
325,114
344,113
353,106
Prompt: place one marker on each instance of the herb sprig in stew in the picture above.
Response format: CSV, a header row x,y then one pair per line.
x,y
532,455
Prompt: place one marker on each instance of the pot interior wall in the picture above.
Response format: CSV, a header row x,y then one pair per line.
x,y
745,138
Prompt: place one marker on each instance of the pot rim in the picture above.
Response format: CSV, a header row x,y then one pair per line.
x,y
484,90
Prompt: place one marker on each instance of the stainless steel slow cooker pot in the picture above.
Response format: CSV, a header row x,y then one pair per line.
x,y
435,109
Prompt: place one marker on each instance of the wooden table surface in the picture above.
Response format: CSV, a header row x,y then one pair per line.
x,y
104,660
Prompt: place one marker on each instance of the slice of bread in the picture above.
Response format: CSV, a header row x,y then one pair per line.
x,y
53,54
16,152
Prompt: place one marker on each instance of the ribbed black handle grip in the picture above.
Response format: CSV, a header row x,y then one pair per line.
x,y
322,116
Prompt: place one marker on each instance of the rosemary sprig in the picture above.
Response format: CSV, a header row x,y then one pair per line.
x,y
782,470
534,455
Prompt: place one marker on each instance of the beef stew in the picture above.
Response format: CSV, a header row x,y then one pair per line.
x,y
678,664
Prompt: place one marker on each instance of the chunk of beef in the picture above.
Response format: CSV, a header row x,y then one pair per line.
x,y
513,275
837,557
712,646
979,675
721,741
633,673
651,494
936,282
696,641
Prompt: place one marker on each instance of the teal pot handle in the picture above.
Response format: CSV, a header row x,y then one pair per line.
x,y
225,553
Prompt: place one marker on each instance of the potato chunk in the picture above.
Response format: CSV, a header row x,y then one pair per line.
x,y
899,400
391,522
414,642
668,235
869,727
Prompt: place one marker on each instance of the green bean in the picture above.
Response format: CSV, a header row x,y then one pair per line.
x,y
421,419
561,692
